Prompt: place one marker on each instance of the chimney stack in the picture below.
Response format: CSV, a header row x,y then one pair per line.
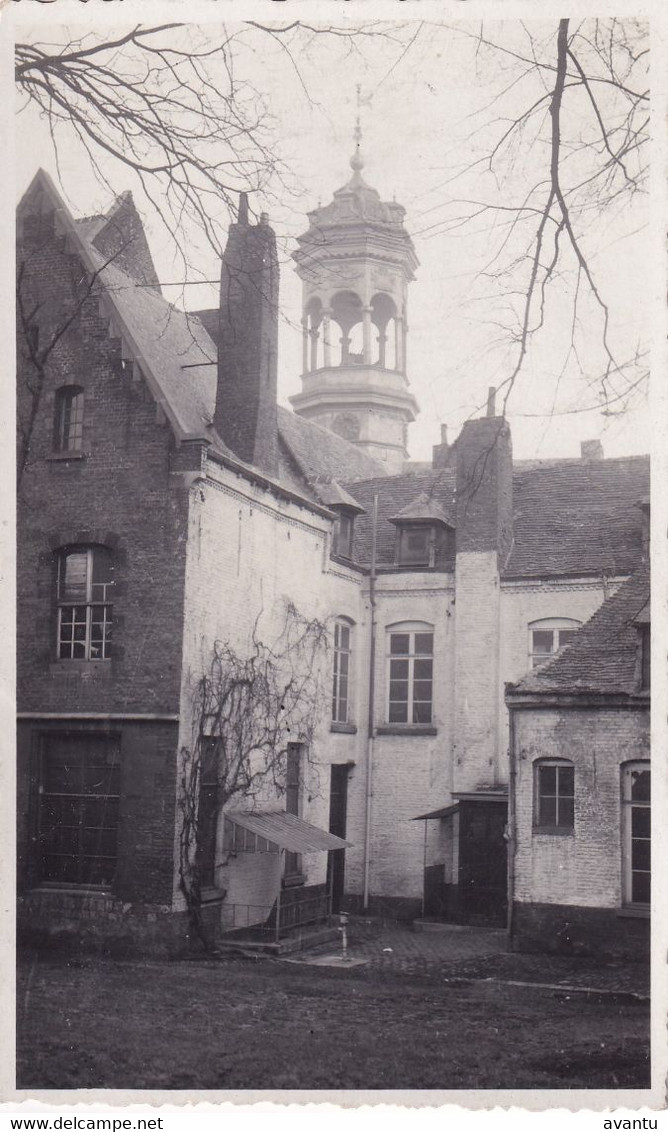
x,y
439,458
245,415
484,487
591,450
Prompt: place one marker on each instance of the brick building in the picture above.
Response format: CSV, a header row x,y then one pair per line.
x,y
580,774
167,502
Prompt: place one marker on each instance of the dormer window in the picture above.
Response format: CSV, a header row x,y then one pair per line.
x,y
424,535
342,535
415,546
345,508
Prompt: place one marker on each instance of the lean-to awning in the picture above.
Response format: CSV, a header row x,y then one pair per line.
x,y
444,812
287,831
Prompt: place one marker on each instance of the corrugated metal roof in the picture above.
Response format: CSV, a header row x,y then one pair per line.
x,y
285,830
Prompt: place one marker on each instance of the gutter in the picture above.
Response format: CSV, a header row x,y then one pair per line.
x,y
512,825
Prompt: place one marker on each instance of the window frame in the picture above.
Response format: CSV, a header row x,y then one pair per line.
x,y
411,629
342,543
560,766
555,625
341,705
69,419
78,805
404,530
628,806
89,605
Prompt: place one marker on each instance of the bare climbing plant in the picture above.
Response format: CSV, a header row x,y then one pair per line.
x,y
246,708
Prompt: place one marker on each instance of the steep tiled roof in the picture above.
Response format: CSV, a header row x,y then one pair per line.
x,y
322,453
394,494
173,346
603,656
575,517
569,517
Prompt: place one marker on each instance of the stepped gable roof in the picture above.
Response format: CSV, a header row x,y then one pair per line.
x,y
570,518
577,517
603,655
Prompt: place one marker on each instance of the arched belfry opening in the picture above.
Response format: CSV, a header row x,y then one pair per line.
x,y
356,261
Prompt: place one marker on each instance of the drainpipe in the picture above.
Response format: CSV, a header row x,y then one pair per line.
x,y
511,836
372,678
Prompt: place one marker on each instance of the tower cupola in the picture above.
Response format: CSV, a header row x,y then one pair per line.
x,y
355,262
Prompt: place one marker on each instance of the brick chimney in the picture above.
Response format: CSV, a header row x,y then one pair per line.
x,y
484,487
245,415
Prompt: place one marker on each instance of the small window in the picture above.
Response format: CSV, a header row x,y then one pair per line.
x,y
293,805
415,545
546,637
341,672
342,539
69,419
554,795
410,665
207,812
85,586
78,810
636,819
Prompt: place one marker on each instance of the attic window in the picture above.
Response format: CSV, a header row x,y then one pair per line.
x,y
342,537
415,545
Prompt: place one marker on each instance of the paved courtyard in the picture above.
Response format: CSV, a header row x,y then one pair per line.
x,y
460,952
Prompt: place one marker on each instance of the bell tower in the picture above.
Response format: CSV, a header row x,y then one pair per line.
x,y
355,263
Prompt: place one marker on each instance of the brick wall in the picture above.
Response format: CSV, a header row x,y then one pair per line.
x,y
117,492
583,868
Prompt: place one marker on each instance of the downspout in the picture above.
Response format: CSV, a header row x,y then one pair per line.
x,y
372,681
512,832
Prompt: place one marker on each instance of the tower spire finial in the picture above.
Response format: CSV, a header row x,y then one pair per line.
x,y
357,161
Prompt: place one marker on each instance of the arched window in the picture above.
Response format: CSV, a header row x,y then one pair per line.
x,y
636,815
549,635
554,795
341,670
410,670
85,587
68,424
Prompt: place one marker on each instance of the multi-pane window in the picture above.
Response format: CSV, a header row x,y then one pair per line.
x,y
341,672
69,419
293,798
78,812
636,801
554,794
415,546
411,651
85,586
207,812
546,637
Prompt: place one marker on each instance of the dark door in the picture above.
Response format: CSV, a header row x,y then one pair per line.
x,y
483,882
338,809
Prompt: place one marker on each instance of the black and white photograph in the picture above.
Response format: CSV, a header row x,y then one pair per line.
x,y
334,425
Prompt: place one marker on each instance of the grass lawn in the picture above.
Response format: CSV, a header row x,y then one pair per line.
x,y
264,1024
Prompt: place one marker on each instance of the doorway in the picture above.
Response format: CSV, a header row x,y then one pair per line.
x,y
483,882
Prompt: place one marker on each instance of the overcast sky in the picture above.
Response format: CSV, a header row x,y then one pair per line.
x,y
431,110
